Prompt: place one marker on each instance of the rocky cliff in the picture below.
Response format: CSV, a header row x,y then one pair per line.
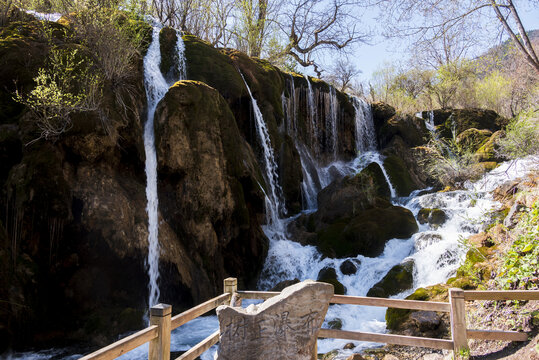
x,y
73,225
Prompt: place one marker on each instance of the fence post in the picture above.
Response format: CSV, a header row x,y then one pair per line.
x,y
458,321
160,346
231,285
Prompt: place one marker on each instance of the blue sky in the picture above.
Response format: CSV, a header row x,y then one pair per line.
x,y
371,56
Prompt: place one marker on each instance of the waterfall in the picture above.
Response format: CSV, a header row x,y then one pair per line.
x,y
365,134
274,206
156,88
332,107
429,123
313,129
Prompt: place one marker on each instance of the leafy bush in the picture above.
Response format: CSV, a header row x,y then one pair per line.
x,y
65,86
449,162
520,267
521,138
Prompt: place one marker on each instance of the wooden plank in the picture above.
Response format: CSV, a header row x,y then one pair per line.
x,y
260,295
124,345
497,335
199,348
387,339
198,310
501,295
458,320
394,303
159,348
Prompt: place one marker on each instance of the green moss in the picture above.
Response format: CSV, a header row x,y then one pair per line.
x,y
399,175
374,172
398,279
472,139
464,282
209,65
396,317
366,233
487,152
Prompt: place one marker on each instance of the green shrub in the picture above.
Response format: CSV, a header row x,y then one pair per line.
x,y
63,87
520,262
521,137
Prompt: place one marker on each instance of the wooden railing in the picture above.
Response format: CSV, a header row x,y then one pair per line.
x,y
161,323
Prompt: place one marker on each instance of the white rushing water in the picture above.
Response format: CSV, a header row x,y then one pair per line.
x,y
156,87
365,134
274,205
332,108
44,16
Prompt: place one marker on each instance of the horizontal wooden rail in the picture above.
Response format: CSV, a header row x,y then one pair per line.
x,y
201,347
501,295
387,338
124,345
497,335
394,303
198,310
260,295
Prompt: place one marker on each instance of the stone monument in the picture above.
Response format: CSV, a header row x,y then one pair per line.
x,y
283,327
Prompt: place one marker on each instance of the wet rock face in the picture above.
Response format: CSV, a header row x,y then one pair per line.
x,y
348,267
350,195
398,279
434,217
202,158
279,328
463,119
329,275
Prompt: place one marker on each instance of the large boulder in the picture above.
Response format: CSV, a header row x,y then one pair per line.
x,y
399,175
397,280
329,275
487,151
410,128
460,120
366,233
404,170
201,158
472,139
346,197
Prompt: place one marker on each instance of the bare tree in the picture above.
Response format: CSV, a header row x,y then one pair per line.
x,y
437,17
342,74
314,25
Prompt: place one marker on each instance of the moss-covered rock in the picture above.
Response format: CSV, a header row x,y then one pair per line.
x,y
399,175
472,139
381,113
335,324
434,217
397,280
209,65
487,151
366,233
348,196
460,120
410,128
169,65
396,319
329,275
201,155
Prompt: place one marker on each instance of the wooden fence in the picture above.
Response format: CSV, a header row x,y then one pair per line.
x,y
162,323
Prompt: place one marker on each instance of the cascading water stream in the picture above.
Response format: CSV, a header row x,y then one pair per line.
x,y
365,135
274,206
156,88
331,122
